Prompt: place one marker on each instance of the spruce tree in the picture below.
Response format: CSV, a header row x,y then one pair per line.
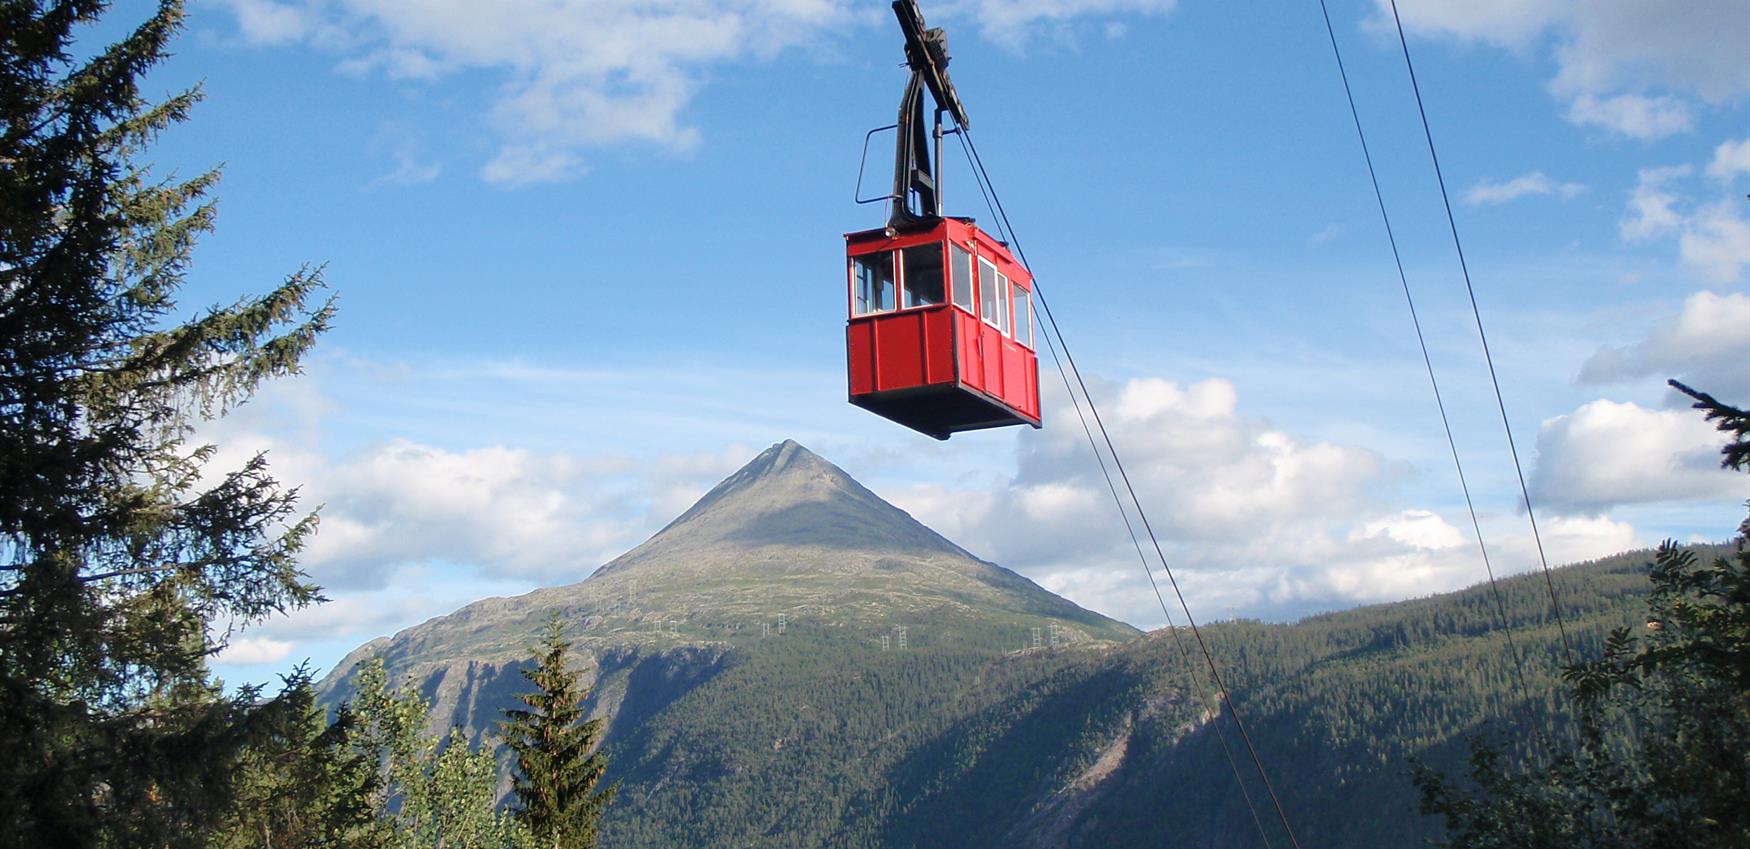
x,y
124,555
557,767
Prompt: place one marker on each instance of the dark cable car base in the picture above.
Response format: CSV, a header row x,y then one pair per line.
x,y
941,411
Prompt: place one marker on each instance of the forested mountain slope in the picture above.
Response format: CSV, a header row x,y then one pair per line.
x,y
725,732
1337,705
814,746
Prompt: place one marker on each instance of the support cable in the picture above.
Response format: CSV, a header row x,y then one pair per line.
x,y
1124,475
1500,402
1136,542
978,177
1427,361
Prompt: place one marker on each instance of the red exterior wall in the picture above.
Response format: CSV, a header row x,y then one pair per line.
x,y
899,350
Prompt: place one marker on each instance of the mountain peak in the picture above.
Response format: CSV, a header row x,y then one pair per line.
x,y
790,496
784,458
783,470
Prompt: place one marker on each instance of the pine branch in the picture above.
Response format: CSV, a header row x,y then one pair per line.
x,y
1736,454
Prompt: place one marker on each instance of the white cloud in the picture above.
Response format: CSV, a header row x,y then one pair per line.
x,y
1250,516
1731,159
1330,231
254,651
1713,238
1716,240
573,74
1408,554
1607,453
1636,67
1651,211
1572,539
1417,528
494,511
1009,21
411,167
520,165
1637,116
1208,471
1534,183
1702,46
1707,345
503,511
267,22
577,74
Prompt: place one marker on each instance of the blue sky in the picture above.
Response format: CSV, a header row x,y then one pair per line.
x,y
588,258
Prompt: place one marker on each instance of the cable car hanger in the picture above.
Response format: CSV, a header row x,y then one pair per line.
x,y
926,53
916,167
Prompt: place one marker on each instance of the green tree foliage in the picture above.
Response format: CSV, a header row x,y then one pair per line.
x,y
1736,454
1662,753
432,796
124,555
557,765
306,784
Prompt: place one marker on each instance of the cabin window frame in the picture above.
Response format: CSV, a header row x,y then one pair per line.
x,y
1005,318
858,262
1026,298
956,251
987,305
902,296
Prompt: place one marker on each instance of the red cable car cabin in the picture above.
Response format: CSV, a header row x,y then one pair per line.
x,y
940,337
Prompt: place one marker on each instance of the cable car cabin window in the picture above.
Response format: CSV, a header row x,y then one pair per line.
x,y
872,283
1003,303
987,291
923,275
962,270
1023,315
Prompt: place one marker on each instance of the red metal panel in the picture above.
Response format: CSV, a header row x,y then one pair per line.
x,y
938,345
860,352
971,351
991,340
899,351
1015,383
1031,408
